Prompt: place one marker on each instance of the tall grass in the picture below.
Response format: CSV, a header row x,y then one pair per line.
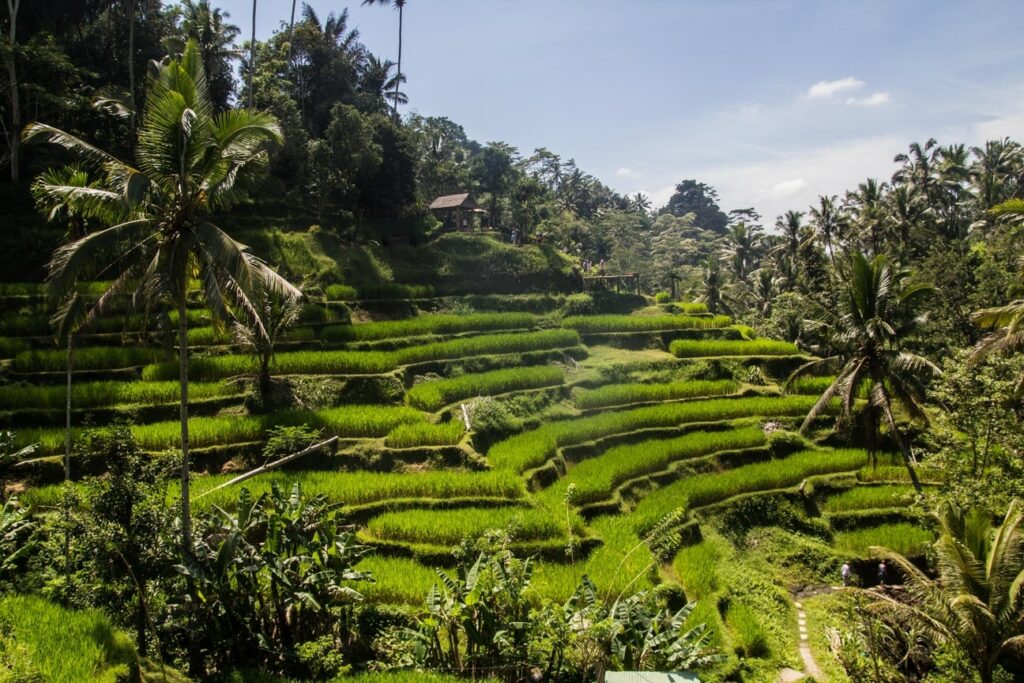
x,y
100,394
621,564
869,497
697,568
748,635
705,489
449,527
435,394
643,323
383,290
87,358
620,394
533,448
397,581
367,362
347,422
596,478
695,348
432,324
9,348
360,488
904,538
46,642
414,434
488,344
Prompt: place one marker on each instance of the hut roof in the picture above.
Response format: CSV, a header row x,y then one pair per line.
x,y
454,201
649,677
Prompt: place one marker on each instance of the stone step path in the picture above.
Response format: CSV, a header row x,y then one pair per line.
x,y
811,667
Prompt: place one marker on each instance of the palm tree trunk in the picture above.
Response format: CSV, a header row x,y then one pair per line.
x,y
131,60
252,51
398,76
908,458
291,34
12,77
186,506
67,467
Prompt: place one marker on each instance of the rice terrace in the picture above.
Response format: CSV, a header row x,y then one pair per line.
x,y
300,382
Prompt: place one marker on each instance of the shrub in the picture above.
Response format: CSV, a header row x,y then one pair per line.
x,y
644,323
432,395
620,394
662,298
693,348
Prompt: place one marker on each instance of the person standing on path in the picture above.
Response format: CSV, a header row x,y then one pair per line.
x,y
883,573
846,573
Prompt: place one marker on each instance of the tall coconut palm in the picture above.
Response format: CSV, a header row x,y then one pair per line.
x,y
868,211
188,162
975,603
400,6
830,222
209,27
742,248
867,347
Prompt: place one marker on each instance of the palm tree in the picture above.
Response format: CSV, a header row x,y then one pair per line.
x,y
975,602
189,162
400,6
1006,323
868,211
867,339
216,39
714,286
375,79
744,243
830,222
12,85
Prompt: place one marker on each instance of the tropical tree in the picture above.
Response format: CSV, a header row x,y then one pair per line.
x,y
975,602
866,346
10,61
868,211
400,6
1006,323
278,312
188,162
742,248
216,40
830,222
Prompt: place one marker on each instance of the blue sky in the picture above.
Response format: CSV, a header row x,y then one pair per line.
x,y
773,102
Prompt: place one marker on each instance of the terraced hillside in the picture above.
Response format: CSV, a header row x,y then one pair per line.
x,y
654,446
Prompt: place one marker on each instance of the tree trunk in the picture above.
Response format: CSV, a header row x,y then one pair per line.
x,y
398,76
12,76
908,458
186,508
252,51
291,35
131,60
67,467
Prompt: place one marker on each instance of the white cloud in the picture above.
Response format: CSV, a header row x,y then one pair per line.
x,y
796,179
625,172
824,89
788,188
876,99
